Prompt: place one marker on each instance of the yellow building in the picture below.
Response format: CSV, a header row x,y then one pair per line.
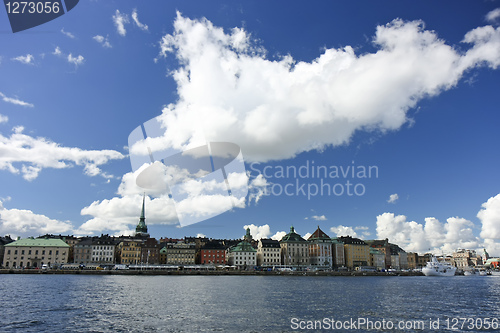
x,y
356,252
129,252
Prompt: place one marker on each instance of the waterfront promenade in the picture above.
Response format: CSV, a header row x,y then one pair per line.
x,y
203,272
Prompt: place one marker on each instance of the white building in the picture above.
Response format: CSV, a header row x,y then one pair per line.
x,y
242,255
320,249
268,252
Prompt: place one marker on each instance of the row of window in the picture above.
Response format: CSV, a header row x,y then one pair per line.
x,y
21,264
36,252
22,258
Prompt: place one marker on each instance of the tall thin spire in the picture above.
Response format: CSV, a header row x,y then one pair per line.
x,y
142,229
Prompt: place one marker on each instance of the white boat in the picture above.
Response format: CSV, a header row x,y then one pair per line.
x,y
469,272
436,268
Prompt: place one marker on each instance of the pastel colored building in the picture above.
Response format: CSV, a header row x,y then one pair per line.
x,y
34,253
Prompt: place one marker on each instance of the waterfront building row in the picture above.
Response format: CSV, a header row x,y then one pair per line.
x,y
319,251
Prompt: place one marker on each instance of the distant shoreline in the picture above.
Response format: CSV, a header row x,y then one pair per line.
x,y
210,273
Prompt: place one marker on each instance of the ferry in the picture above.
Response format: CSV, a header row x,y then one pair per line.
x,y
436,268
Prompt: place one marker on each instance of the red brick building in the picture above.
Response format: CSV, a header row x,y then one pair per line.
x,y
213,253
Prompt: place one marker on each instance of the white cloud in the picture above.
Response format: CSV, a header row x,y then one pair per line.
x,y
344,231
75,60
432,236
307,235
34,154
257,188
135,17
393,198
102,40
25,223
490,218
201,236
258,232
493,16
27,59
66,33
275,109
319,218
122,213
120,20
3,119
279,235
57,51
15,101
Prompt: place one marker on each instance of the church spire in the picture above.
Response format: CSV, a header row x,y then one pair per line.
x,y
142,229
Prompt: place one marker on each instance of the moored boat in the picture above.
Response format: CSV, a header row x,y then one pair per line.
x,y
436,268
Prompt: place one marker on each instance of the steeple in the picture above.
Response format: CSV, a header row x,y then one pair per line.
x,y
142,229
248,236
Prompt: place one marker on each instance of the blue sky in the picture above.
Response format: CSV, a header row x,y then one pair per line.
x,y
409,88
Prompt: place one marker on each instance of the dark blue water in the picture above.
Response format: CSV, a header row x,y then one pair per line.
x,y
80,303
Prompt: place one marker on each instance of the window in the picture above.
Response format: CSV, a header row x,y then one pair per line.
x,y
22,252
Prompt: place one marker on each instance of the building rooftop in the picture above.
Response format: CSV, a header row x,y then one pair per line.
x,y
319,235
292,236
269,243
39,242
351,240
242,246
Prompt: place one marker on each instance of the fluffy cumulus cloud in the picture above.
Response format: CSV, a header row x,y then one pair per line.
x,y
258,232
393,198
77,61
25,223
21,153
120,20
197,202
493,16
104,41
344,231
490,219
432,235
275,109
279,235
15,101
28,59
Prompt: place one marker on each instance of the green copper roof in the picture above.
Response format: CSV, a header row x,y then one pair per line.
x,y
51,242
292,236
243,246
